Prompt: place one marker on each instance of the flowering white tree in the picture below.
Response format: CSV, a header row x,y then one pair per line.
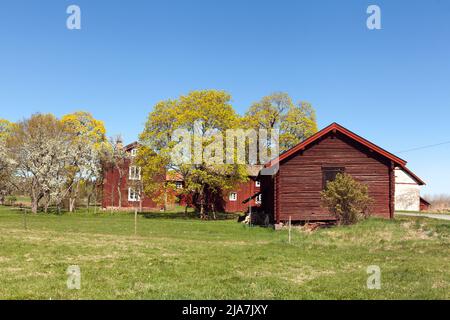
x,y
41,150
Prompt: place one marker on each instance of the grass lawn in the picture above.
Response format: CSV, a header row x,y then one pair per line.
x,y
176,258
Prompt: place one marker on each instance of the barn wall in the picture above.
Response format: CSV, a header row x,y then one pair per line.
x,y
407,192
300,178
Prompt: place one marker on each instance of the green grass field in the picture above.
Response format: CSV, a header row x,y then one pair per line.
x,y
176,258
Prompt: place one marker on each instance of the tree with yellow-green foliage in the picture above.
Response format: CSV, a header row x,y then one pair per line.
x,y
156,181
6,165
200,114
277,111
90,146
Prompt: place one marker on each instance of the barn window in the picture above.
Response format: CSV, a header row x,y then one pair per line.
x,y
257,184
258,199
233,196
329,174
133,195
179,184
133,152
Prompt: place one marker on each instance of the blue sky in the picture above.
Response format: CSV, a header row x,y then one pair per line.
x,y
391,86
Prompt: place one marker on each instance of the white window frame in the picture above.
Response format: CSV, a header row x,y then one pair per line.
x,y
134,173
258,199
233,196
258,184
133,195
133,152
179,184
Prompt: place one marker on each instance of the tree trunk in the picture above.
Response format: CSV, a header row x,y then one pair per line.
x,y
120,195
46,205
88,202
36,196
34,206
71,205
165,200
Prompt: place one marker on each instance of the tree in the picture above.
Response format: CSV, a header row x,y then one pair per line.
x,y
6,164
347,199
116,158
153,177
41,150
202,115
90,146
277,111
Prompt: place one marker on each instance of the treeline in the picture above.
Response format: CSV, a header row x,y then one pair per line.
x,y
52,160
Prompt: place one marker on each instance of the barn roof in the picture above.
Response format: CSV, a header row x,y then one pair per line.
x,y
335,127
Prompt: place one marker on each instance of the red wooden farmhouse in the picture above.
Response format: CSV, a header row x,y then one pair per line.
x,y
291,188
130,198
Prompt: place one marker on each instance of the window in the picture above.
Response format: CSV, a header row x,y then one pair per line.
x,y
134,173
233,196
257,184
329,174
179,184
133,195
133,152
258,199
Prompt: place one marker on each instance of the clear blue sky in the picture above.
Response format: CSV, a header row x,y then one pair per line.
x,y
392,86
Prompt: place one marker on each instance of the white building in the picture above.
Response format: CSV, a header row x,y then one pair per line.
x,y
407,190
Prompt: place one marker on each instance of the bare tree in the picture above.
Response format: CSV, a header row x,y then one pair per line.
x,y
117,160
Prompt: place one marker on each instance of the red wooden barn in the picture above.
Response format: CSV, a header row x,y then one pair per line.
x,y
294,190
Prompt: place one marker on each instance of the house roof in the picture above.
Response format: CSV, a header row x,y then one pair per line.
x,y
130,146
335,127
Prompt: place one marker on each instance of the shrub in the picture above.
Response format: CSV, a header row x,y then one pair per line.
x,y
347,199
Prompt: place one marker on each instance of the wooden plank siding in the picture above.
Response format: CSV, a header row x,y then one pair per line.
x,y
299,181
244,191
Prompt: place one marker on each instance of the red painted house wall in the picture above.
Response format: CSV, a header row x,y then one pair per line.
x,y
244,191
110,192
111,195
